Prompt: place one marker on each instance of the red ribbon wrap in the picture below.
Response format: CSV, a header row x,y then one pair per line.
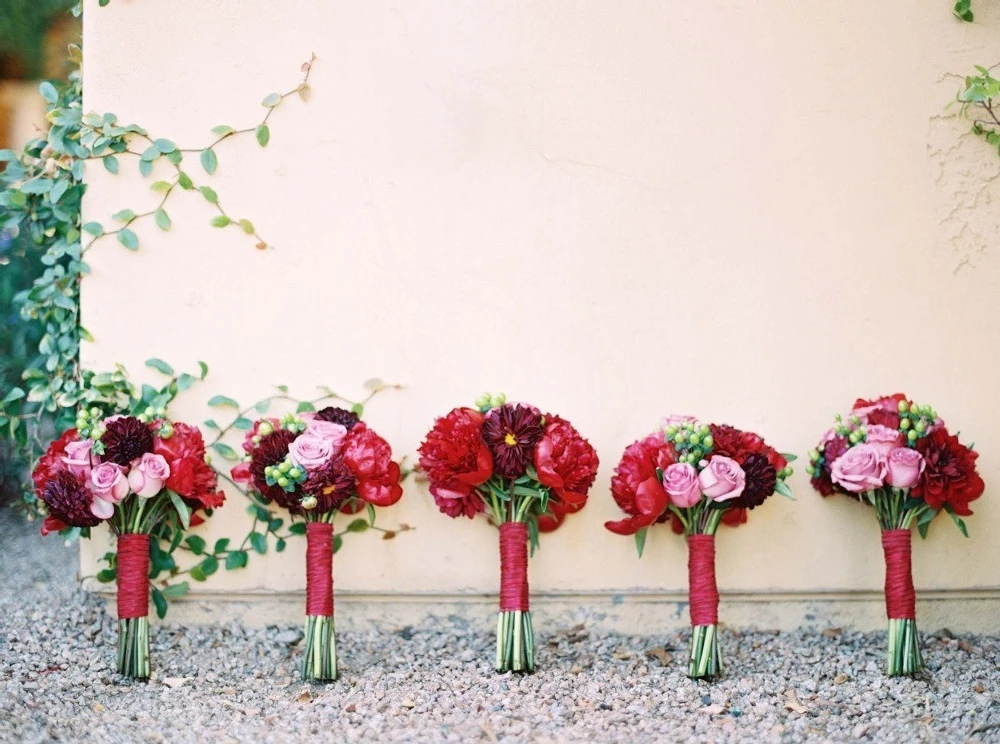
x,y
513,567
319,569
900,598
703,595
133,576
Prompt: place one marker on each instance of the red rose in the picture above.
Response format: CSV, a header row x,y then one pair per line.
x,y
635,487
566,463
738,445
52,461
456,460
190,476
369,457
950,477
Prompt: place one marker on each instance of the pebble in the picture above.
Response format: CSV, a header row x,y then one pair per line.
x,y
236,684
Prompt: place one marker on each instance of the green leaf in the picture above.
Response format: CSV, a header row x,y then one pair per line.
x,y
222,130
160,186
297,528
959,522
221,545
220,221
150,154
210,423
210,565
184,181
258,542
145,168
94,228
185,381
782,488
125,215
338,543
358,525
225,450
261,406
305,407
209,161
176,591
236,559
243,424
358,409
182,509
107,575
128,239
197,573
280,545
110,163
14,394
247,226
164,145
162,219
271,100
210,196
371,513
263,135
204,369
196,543
160,602
789,457
160,366
222,400
640,540
47,89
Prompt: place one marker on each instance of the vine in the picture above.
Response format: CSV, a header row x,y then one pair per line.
x,y
979,99
40,203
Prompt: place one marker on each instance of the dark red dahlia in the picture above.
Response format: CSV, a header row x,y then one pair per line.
x,y
126,439
830,451
341,416
511,432
69,500
950,476
332,484
271,451
566,463
737,444
761,478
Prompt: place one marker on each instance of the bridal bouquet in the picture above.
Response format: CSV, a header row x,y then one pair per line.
x,y
697,476
900,458
526,471
316,465
137,473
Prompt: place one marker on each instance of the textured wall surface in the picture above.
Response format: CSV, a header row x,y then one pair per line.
x,y
748,211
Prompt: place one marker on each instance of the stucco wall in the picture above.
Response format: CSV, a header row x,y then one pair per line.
x,y
748,211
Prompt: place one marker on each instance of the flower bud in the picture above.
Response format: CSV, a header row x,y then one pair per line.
x,y
95,412
708,441
680,437
854,437
265,428
283,482
814,455
671,431
161,411
921,426
903,406
912,435
483,401
294,473
150,411
309,502
905,424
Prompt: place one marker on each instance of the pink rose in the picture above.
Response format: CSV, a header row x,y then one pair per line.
x,y
680,481
79,459
861,468
311,452
332,432
147,476
108,482
882,438
904,466
722,479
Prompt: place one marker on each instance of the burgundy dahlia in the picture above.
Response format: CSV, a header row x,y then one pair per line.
x,y
830,451
341,416
950,477
271,451
511,432
68,500
126,439
761,478
331,485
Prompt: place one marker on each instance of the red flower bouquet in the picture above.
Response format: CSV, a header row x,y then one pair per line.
x,y
525,471
317,465
900,458
697,477
137,473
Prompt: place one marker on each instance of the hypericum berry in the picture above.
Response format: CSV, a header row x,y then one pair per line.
x,y
905,424
708,441
912,435
309,502
903,406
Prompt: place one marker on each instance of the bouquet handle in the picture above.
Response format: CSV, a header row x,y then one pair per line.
x,y
903,655
320,662
133,605
515,634
703,604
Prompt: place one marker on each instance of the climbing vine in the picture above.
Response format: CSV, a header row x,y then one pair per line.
x,y
979,100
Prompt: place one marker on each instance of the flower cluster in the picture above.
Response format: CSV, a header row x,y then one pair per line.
x,y
892,442
483,457
687,464
319,462
94,467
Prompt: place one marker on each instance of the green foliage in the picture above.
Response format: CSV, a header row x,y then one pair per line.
x,y
23,24
979,99
963,10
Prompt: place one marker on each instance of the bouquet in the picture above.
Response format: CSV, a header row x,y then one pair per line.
x,y
139,474
696,476
316,465
526,471
900,458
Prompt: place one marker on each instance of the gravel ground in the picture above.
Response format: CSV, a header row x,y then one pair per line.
x,y
434,682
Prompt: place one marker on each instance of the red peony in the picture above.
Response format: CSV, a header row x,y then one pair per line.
x,y
883,411
566,463
456,460
51,462
369,457
737,444
553,518
950,477
190,476
635,487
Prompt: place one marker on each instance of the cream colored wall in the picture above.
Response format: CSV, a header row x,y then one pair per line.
x,y
748,211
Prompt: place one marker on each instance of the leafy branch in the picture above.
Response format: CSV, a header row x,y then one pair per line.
x,y
979,100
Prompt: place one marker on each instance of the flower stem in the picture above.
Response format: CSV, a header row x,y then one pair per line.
x,y
319,663
133,647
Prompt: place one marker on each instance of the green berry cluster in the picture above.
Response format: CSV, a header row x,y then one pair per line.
x,y
286,475
90,423
693,442
486,401
915,419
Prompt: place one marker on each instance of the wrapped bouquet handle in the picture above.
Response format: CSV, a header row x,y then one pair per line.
x,y
900,604
320,661
703,606
515,635
133,605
